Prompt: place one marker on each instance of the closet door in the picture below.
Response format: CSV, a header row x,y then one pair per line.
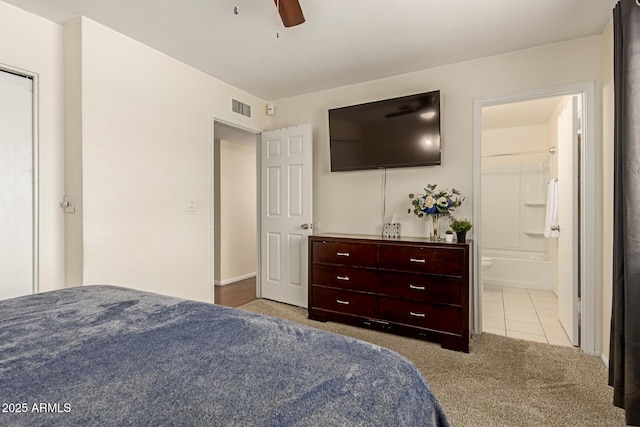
x,y
16,185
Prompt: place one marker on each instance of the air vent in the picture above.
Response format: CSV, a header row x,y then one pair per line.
x,y
240,108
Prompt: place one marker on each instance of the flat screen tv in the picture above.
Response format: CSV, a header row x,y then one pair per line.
x,y
393,133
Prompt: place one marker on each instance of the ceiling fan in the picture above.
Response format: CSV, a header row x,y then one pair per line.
x,y
290,12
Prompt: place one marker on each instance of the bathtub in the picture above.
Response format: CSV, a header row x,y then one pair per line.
x,y
519,269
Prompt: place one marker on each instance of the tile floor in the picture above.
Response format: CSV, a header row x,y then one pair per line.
x,y
522,313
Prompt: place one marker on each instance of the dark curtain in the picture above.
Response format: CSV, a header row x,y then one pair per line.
x,y
624,356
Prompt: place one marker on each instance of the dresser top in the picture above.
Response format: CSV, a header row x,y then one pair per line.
x,y
407,239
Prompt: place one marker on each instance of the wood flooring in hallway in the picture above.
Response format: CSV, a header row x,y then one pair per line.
x,y
236,294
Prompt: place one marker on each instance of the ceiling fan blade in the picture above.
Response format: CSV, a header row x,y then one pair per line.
x,y
290,12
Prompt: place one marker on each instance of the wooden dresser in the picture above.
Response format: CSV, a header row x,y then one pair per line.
x,y
417,287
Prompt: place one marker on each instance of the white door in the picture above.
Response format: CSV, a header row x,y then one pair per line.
x,y
16,185
568,208
286,203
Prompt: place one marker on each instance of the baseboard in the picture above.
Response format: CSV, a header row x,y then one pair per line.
x,y
234,279
605,359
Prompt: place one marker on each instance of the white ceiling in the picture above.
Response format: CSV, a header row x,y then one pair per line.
x,y
343,41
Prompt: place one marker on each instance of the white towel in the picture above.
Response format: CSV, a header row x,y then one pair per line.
x,y
551,220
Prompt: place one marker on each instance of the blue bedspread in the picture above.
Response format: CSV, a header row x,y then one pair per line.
x,y
103,355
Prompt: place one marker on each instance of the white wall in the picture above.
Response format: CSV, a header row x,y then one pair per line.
x,y
238,195
73,221
514,140
607,185
352,202
34,44
146,148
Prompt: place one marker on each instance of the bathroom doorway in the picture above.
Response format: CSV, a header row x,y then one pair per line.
x,y
531,259
525,150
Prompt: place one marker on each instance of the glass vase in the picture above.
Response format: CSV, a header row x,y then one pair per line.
x,y
436,227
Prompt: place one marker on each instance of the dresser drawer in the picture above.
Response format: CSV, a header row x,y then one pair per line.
x,y
343,253
434,317
421,287
355,303
422,259
410,286
357,279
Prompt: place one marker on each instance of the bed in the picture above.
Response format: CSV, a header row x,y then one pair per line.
x,y
105,355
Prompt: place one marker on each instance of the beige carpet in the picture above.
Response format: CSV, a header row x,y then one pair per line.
x,y
501,382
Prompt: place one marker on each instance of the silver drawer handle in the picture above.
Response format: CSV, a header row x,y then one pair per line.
x,y
417,288
417,314
421,261
342,254
345,278
339,301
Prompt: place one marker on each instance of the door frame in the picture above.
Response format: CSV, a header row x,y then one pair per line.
x,y
591,214
213,118
35,177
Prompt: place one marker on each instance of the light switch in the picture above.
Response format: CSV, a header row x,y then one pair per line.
x,y
191,205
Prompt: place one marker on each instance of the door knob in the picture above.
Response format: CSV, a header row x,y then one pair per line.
x,y
68,204
306,226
